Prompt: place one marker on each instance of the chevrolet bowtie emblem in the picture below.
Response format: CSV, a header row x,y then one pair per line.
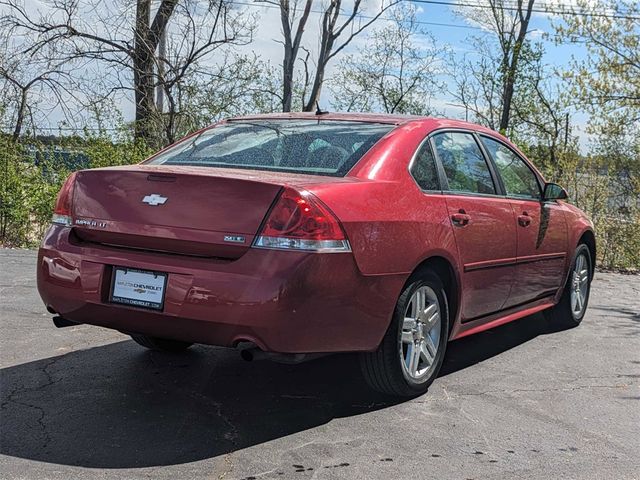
x,y
154,199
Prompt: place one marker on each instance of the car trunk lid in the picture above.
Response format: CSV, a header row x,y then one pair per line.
x,y
197,211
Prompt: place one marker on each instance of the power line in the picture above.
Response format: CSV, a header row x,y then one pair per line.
x,y
512,7
262,4
551,4
547,9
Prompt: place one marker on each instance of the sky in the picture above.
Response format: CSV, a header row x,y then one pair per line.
x,y
449,29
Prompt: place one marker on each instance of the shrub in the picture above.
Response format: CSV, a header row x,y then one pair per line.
x,y
32,174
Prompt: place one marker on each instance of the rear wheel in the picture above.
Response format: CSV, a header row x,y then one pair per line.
x,y
160,344
572,306
411,352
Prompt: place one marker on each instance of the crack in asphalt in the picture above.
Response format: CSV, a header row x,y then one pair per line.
x,y
20,390
231,435
229,461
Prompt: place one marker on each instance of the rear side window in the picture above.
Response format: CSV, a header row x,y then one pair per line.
x,y
302,146
424,169
464,165
519,180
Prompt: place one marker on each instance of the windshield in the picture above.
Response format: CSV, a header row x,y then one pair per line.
x,y
302,146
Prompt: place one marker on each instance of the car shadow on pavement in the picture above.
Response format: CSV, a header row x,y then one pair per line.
x,y
473,349
118,406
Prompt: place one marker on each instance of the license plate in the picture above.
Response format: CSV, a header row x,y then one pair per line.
x,y
138,288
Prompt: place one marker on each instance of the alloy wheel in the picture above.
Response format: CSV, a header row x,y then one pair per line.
x,y
579,285
420,336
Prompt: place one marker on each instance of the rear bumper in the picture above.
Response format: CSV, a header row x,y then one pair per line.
x,y
282,301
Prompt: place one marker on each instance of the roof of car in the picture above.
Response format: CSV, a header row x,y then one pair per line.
x,y
360,117
388,118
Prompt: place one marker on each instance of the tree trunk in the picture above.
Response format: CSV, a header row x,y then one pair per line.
x,y
171,115
291,47
287,77
143,72
20,116
289,57
316,89
326,46
145,109
512,66
328,37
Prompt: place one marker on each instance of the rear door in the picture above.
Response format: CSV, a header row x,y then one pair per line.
x,y
541,227
483,223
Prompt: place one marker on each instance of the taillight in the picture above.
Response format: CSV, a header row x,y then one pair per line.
x,y
300,221
62,210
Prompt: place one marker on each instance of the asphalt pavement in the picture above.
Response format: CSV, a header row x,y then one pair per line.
x,y
525,400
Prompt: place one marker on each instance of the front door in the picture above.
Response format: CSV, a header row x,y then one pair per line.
x,y
541,227
483,223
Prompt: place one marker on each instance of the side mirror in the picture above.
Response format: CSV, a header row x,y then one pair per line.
x,y
553,191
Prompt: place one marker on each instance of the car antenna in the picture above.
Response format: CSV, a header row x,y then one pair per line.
x,y
318,111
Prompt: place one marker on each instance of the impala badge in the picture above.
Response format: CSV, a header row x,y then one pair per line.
x,y
154,199
234,238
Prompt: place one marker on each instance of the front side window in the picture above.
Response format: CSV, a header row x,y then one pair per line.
x,y
464,165
424,170
519,180
319,147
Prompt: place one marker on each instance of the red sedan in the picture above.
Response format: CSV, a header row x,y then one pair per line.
x,y
302,234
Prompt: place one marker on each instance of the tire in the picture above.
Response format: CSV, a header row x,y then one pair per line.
x,y
387,370
161,344
565,314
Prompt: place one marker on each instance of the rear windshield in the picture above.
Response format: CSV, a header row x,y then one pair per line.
x,y
302,146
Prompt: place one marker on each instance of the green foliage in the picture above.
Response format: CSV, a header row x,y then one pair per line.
x,y
609,195
103,152
33,172
395,72
606,85
240,85
606,82
27,193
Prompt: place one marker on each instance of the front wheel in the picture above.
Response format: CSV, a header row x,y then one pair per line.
x,y
572,306
411,352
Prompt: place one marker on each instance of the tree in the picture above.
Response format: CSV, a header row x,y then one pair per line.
x,y
607,82
99,31
292,36
509,27
541,114
609,77
395,72
334,37
195,55
23,84
476,85
238,86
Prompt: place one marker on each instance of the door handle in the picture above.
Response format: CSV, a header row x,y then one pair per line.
x,y
461,218
524,220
